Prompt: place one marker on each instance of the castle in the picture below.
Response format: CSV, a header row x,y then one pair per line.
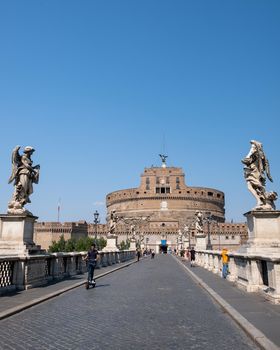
x,y
156,211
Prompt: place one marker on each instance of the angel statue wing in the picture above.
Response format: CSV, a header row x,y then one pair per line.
x,y
16,161
163,157
267,170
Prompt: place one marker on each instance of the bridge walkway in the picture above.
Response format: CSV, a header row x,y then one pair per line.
x,y
261,313
151,304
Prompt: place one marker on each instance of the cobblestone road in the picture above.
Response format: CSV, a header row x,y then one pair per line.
x,y
151,304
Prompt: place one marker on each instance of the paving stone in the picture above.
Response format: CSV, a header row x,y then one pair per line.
x,y
151,304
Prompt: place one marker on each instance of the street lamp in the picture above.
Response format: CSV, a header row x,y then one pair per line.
x,y
187,232
209,219
147,241
96,221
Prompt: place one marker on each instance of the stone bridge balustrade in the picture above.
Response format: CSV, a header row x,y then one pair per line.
x,y
19,273
251,272
8,271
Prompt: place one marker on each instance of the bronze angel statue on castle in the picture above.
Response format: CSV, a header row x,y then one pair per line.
x,y
23,176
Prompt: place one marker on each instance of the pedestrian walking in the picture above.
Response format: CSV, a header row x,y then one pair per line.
x,y
138,253
153,254
192,254
225,262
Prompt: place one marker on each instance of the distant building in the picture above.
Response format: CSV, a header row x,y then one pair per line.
x,y
169,204
47,232
161,206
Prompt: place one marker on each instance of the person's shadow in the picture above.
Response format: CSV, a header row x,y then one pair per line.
x,y
102,285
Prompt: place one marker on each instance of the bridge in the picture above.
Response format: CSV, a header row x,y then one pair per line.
x,y
159,303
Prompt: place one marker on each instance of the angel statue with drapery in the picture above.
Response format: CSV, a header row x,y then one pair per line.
x,y
198,222
113,222
256,170
23,176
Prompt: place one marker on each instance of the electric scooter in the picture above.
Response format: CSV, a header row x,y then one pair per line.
x,y
90,284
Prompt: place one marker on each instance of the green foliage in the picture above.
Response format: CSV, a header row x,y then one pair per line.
x,y
70,245
73,245
83,244
101,243
124,245
58,246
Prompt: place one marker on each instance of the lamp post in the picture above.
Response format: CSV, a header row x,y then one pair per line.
x,y
147,241
209,245
208,219
219,233
96,221
187,232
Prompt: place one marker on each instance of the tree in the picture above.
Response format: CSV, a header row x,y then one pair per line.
x,y
70,245
124,245
73,245
58,246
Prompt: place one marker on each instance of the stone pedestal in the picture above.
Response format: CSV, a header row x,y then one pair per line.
x,y
132,245
111,245
263,232
16,235
201,242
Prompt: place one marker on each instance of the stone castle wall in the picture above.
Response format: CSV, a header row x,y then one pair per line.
x,y
169,203
164,194
47,232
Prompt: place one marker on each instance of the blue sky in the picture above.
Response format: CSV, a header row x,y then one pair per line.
x,y
100,87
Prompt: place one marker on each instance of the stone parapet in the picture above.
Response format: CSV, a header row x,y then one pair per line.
x,y
24,272
251,272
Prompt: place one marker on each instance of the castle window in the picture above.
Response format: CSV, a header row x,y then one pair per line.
x,y
218,195
147,187
226,237
177,186
162,190
210,194
167,180
177,180
147,180
157,180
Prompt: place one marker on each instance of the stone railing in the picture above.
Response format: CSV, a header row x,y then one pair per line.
x,y
251,272
19,273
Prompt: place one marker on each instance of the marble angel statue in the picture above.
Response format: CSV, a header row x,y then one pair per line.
x,y
113,222
256,170
24,174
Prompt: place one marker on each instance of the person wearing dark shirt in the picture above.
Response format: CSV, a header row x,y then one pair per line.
x,y
138,254
91,258
192,253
